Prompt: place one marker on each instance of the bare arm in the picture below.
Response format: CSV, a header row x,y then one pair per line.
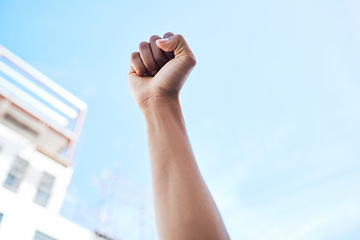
x,y
184,207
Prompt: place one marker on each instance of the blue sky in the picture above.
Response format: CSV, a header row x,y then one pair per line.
x,y
272,107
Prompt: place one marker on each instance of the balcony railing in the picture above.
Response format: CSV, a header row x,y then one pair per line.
x,y
25,89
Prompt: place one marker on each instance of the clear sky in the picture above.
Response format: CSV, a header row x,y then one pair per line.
x,y
272,108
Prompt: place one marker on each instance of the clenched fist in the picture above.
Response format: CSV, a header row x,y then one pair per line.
x,y
159,69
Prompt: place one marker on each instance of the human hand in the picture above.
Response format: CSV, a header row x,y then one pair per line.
x,y
160,68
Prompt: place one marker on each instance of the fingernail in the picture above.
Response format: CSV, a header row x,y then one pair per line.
x,y
163,40
145,75
153,73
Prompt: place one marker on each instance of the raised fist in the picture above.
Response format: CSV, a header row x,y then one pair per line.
x,y
159,69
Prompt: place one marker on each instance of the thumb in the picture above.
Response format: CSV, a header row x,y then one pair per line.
x,y
176,44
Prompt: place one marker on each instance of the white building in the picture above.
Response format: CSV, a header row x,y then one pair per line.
x,y
40,123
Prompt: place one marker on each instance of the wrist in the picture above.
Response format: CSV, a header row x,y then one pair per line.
x,y
154,104
160,109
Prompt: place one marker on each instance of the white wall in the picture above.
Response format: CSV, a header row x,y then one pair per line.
x,y
22,217
15,145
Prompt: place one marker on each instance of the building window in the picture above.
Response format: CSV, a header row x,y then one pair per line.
x,y
41,236
1,215
44,189
16,174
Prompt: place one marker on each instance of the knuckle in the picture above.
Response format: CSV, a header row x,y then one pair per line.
x,y
143,45
154,38
168,34
180,37
134,55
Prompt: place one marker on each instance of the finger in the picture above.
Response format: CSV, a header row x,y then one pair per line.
x,y
158,54
137,64
169,55
175,43
147,58
131,70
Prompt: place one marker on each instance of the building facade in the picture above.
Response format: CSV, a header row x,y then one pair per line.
x,y
40,124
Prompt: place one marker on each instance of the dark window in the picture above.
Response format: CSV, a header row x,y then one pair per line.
x,y
44,189
16,174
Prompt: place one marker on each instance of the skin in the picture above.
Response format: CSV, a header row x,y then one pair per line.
x,y
184,207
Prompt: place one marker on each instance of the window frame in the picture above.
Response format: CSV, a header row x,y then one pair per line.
x,y
45,187
17,171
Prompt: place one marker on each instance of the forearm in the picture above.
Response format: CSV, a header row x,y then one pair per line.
x,y
183,205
